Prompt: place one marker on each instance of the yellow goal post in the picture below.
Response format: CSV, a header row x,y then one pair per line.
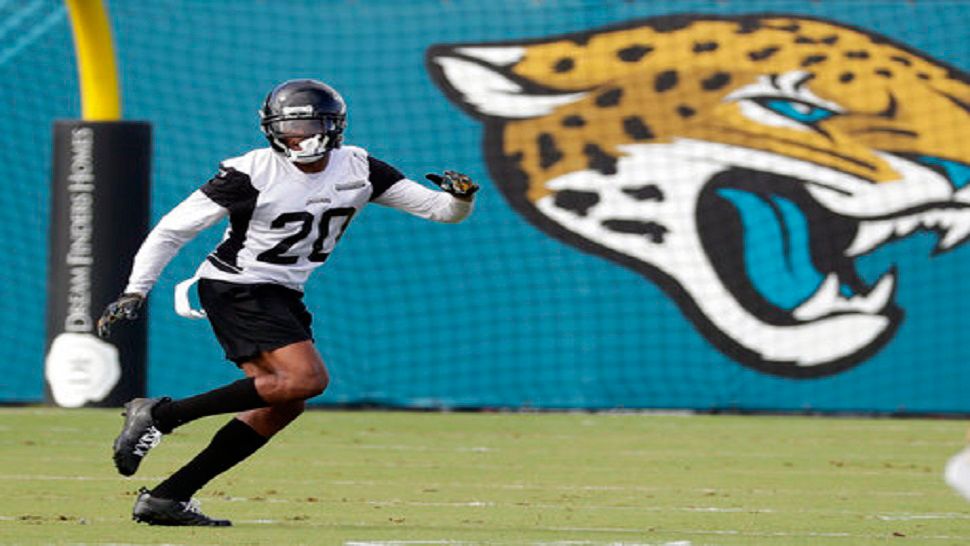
x,y
97,69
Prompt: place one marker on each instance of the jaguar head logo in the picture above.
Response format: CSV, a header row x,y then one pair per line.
x,y
741,163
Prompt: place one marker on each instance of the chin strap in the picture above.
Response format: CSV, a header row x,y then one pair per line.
x,y
311,149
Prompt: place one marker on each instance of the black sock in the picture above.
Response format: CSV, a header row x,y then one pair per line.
x,y
230,445
237,396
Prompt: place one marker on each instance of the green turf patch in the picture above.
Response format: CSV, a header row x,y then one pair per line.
x,y
400,478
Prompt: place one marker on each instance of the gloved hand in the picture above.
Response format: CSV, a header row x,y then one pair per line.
x,y
125,307
455,183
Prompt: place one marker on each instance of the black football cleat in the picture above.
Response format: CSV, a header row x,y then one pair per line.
x,y
157,511
138,435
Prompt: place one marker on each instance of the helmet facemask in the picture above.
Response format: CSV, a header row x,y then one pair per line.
x,y
319,133
318,136
311,149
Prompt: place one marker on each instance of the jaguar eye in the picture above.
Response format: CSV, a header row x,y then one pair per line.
x,y
802,112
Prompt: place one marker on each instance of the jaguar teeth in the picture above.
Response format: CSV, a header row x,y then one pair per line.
x,y
828,300
956,230
953,225
878,297
821,302
869,236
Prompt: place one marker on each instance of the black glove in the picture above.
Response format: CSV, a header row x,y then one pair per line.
x,y
125,307
455,183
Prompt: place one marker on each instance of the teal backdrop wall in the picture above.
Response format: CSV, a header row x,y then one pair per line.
x,y
498,311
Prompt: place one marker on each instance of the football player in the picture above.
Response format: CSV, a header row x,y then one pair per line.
x,y
288,204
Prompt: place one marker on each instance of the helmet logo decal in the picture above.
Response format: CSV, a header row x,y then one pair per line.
x,y
297,110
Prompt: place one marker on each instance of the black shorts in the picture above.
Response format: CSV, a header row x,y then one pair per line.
x,y
249,319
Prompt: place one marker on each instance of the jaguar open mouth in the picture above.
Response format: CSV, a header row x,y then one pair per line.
x,y
783,256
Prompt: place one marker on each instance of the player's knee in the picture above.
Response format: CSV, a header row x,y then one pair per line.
x,y
318,383
309,383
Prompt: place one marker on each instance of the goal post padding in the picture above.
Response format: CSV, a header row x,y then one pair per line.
x,y
99,216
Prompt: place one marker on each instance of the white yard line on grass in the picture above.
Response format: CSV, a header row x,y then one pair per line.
x,y
407,542
42,477
557,543
904,516
512,486
402,447
636,488
961,539
883,516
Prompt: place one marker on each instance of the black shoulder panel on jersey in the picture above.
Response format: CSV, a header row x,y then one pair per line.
x,y
382,176
231,189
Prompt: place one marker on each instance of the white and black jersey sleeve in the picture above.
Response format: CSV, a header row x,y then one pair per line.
x,y
228,192
392,189
382,176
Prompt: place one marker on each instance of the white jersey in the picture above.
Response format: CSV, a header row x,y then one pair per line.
x,y
283,223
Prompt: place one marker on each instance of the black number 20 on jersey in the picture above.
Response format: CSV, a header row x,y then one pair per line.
x,y
277,254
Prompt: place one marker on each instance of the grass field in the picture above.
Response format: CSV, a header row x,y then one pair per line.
x,y
395,478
